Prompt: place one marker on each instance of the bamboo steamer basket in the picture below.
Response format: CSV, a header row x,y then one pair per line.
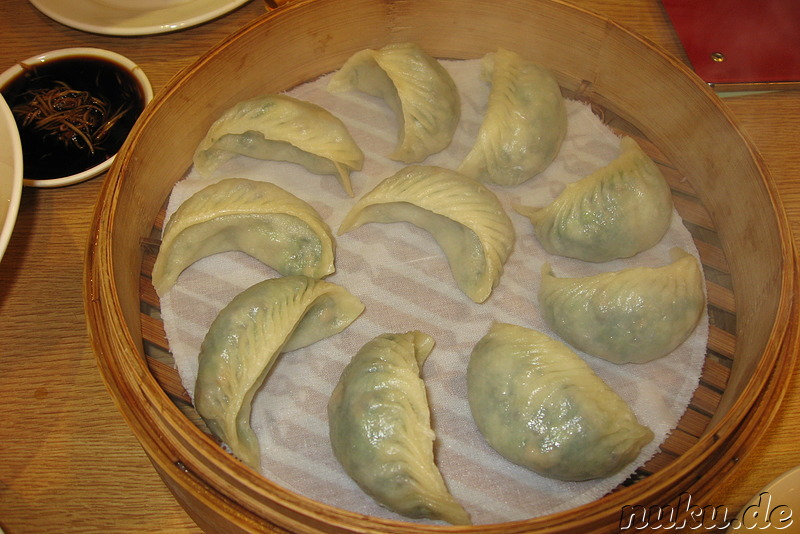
x,y
729,203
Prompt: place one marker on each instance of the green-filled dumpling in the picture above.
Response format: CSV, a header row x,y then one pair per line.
x,y
281,128
254,217
633,315
541,406
380,428
420,92
466,219
524,125
616,212
271,317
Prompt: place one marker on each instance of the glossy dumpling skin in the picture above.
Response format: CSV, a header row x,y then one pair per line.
x,y
258,218
540,406
282,128
524,125
420,92
616,212
466,219
380,428
274,316
633,315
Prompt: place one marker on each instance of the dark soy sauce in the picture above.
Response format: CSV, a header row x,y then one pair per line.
x,y
46,156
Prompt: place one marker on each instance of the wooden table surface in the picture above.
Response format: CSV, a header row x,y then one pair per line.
x,y
68,461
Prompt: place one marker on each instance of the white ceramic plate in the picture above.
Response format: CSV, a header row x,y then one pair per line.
x,y
96,16
10,174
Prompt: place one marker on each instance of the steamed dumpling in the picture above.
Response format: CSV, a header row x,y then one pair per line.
x,y
381,432
271,317
524,125
466,219
420,92
258,218
281,128
540,406
615,212
634,315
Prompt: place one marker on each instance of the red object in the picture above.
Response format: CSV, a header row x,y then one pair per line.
x,y
739,41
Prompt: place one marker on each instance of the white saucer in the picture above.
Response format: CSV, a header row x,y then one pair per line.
x,y
96,17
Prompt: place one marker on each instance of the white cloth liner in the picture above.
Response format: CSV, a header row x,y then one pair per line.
x,y
402,277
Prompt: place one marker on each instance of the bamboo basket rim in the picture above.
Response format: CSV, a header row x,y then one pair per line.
x,y
154,416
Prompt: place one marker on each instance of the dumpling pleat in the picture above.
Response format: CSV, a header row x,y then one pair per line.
x,y
380,429
227,215
633,315
540,406
616,212
279,127
244,341
465,218
524,125
419,90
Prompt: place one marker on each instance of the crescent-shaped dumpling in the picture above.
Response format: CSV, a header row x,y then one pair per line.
x,y
633,315
541,406
466,219
615,212
274,316
282,128
524,125
420,92
380,428
258,218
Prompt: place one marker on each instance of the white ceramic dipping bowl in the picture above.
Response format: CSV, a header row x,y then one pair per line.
x,y
11,81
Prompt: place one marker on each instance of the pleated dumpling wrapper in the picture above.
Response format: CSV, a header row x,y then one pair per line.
x,y
271,317
464,217
281,128
634,315
254,217
416,87
616,212
541,406
524,124
380,429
